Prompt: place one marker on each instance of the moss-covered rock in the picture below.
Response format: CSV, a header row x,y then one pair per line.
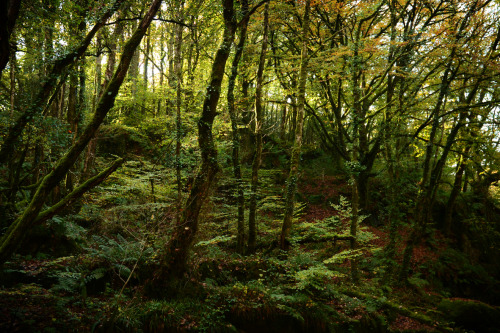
x,y
471,315
122,140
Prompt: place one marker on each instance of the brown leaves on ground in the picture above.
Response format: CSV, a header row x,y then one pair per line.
x,y
402,323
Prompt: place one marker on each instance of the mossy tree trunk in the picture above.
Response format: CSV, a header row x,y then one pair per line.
x,y
178,103
455,191
291,186
353,242
173,262
75,107
257,160
16,232
241,235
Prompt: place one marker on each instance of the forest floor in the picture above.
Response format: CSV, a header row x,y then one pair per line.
x,y
122,224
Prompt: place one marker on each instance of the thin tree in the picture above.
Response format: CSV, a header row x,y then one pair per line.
x,y
241,237
291,186
257,160
178,103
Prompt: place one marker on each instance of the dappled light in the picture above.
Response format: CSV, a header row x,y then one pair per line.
x,y
249,166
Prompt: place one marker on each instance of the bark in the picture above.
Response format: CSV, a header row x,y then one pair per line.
x,y
78,192
72,119
354,230
98,73
90,155
113,48
173,263
358,177
455,191
146,64
178,103
16,232
283,122
53,77
252,214
13,64
192,59
9,11
90,151
291,187
162,72
241,237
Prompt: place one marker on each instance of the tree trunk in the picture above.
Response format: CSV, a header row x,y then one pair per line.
x,y
431,176
113,48
423,204
173,262
354,229
178,103
291,186
72,119
9,11
455,191
241,237
257,160
13,65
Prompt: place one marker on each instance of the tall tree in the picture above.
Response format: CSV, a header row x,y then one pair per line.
x,y
431,175
258,120
173,262
178,102
240,239
291,186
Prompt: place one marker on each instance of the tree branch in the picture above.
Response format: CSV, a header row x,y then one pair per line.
x,y
78,192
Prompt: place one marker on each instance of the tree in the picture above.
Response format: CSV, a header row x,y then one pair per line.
x,y
56,72
258,120
235,153
291,186
176,251
431,174
9,13
19,228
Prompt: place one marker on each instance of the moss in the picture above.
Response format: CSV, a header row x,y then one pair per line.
x,y
471,315
122,140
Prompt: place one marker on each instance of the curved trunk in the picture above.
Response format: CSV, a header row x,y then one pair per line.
x,y
173,263
9,12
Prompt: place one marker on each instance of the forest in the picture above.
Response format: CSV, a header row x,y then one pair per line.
x,y
250,166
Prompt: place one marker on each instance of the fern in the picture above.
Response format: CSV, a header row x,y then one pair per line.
x,y
70,282
216,240
120,254
314,278
340,257
75,282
